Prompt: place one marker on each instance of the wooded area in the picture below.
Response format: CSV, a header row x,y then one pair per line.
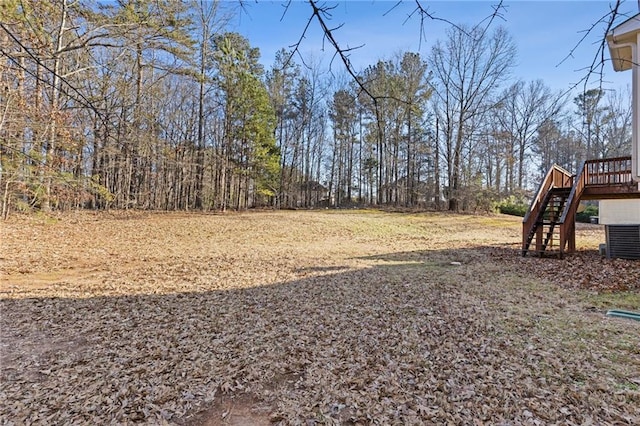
x,y
155,105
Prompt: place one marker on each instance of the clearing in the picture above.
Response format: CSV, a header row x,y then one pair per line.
x,y
321,317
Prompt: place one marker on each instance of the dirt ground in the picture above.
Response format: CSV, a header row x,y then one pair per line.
x,y
323,317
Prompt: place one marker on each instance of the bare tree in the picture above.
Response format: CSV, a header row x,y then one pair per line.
x,y
468,68
208,20
523,109
617,127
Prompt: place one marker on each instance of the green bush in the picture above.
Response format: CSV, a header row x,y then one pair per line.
x,y
513,209
517,206
585,216
513,206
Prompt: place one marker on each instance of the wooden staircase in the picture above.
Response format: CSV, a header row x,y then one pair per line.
x,y
548,228
555,201
541,223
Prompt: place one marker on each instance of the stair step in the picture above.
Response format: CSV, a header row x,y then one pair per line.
x,y
562,191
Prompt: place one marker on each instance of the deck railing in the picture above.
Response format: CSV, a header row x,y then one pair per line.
x,y
608,171
603,172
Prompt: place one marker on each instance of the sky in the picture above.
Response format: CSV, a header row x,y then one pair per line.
x,y
544,32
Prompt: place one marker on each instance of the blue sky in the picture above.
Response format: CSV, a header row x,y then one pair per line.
x,y
544,32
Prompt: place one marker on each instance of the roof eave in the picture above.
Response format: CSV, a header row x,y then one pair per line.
x,y
620,39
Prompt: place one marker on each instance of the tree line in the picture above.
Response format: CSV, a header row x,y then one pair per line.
x,y
155,105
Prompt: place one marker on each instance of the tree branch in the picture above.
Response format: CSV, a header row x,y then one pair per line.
x,y
597,64
81,99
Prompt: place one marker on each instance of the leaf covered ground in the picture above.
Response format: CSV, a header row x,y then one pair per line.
x,y
310,318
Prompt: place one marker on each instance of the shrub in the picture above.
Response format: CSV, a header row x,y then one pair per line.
x,y
585,216
513,206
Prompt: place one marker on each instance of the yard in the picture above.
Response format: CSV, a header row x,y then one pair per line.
x,y
322,317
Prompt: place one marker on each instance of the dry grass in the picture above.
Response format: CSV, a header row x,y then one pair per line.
x,y
354,317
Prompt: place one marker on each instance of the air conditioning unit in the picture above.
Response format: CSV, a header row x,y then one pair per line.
x,y
623,241
621,220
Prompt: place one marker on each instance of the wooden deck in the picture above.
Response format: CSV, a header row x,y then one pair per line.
x,y
549,224
609,179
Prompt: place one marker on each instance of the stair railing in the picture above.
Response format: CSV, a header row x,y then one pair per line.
x,y
568,219
556,177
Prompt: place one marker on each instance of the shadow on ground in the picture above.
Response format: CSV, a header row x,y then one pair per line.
x,y
412,339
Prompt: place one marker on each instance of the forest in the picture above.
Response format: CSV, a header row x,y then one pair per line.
x,y
156,105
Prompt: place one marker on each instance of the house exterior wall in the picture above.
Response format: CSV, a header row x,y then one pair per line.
x,y
619,212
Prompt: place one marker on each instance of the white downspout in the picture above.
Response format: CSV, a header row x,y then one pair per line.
x,y
635,132
635,107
